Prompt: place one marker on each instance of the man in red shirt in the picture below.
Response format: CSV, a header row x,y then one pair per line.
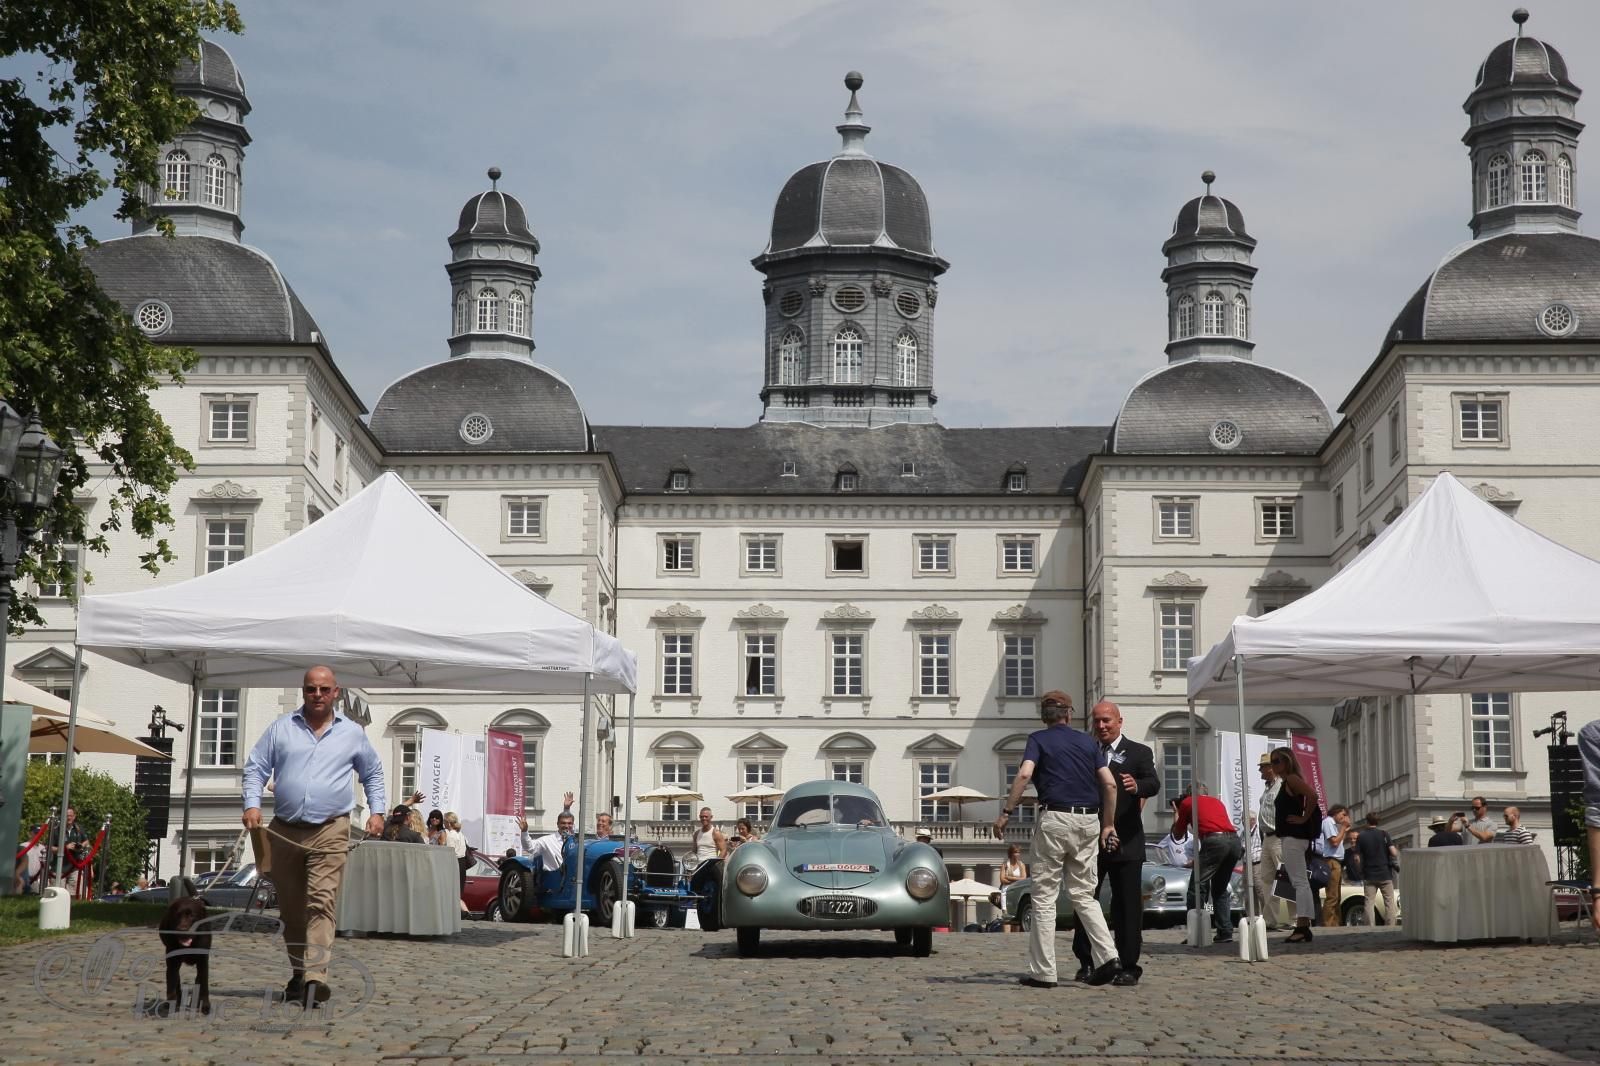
x,y
1220,850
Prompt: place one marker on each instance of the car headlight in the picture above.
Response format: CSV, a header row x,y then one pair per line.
x,y
922,883
690,864
752,880
1158,886
639,860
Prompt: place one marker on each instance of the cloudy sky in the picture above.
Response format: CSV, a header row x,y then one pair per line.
x,y
1055,141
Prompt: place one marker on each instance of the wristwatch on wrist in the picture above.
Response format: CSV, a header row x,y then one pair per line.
x,y
1007,811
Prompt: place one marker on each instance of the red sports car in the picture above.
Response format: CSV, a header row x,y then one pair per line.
x,y
482,894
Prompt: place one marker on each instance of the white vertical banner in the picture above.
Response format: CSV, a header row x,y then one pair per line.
x,y
475,783
1230,772
450,774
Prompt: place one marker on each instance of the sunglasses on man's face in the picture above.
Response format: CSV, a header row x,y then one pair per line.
x,y
318,690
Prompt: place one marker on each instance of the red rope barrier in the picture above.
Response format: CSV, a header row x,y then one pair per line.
x,y
84,888
36,838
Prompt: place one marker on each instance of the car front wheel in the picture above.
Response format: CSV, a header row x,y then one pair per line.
x,y
607,891
1354,912
1025,916
493,913
922,942
749,940
516,894
902,938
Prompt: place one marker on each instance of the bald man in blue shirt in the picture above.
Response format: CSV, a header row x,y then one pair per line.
x,y
310,755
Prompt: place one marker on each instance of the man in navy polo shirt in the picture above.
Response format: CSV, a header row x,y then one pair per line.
x,y
1078,804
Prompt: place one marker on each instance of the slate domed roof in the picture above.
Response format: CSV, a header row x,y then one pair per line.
x,y
1182,409
1208,216
1499,289
1522,62
213,290
851,200
529,408
214,71
494,214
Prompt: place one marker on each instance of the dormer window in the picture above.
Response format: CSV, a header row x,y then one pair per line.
x,y
908,469
846,480
1017,480
679,481
790,469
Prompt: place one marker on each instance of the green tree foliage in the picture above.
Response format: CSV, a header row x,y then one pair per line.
x,y
88,111
94,795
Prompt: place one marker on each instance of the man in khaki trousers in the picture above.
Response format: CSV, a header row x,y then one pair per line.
x,y
310,755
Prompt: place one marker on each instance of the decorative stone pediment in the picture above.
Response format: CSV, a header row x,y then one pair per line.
x,y
934,614
680,613
1177,579
51,660
760,742
759,614
934,744
846,613
1281,580
1020,615
1393,512
228,491
1491,494
532,580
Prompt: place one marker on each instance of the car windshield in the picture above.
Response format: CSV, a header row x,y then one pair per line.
x,y
841,809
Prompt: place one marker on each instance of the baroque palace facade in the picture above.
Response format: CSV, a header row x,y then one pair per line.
x,y
848,588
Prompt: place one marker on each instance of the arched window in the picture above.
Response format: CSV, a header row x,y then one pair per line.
x,y
176,177
1535,179
905,358
488,311
847,356
1241,317
791,356
1183,318
463,322
1564,181
216,181
517,313
406,731
1211,316
1498,189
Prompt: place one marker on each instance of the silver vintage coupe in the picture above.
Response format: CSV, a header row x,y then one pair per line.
x,y
832,862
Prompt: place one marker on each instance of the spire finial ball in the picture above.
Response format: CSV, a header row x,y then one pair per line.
x,y
1520,15
1208,176
494,174
854,80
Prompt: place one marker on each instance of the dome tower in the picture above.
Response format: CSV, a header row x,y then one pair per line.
x,y
202,171
492,276
850,291
1523,139
1209,276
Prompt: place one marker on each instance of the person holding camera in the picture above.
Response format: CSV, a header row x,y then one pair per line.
x,y
1078,801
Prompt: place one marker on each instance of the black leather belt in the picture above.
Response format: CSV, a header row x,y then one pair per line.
x,y
307,825
1061,808
1220,833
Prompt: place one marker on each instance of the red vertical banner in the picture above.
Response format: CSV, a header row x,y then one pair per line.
x,y
1306,754
503,799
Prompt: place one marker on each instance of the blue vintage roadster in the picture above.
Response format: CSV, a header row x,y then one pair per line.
x,y
656,882
830,862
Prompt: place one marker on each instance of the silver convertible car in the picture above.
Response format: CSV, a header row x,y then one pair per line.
x,y
831,862
1165,890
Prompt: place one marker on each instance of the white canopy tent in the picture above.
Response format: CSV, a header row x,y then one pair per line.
x,y
382,590
1454,596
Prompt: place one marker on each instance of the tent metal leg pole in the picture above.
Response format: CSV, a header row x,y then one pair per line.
x,y
1195,932
627,811
1251,904
577,939
188,778
72,738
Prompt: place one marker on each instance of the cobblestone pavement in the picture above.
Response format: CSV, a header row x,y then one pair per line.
x,y
499,993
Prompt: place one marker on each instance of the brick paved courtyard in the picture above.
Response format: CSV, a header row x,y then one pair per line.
x,y
498,993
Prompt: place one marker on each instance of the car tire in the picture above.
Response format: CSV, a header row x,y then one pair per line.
x,y
902,938
749,940
493,913
1354,912
922,942
607,893
1025,915
516,893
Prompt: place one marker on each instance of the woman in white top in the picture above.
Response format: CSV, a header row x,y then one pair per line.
x,y
453,839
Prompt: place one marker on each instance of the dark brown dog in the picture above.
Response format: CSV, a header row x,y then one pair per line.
x,y
183,946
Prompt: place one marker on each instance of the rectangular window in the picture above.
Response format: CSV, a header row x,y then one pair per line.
x,y
219,727
677,664
1016,482
1277,519
760,773
410,748
1017,555
339,470
680,481
1369,462
64,589
530,772
933,555
1338,508
1177,635
437,503
208,859
225,542
934,777
846,655
933,664
1175,519
1491,730
1176,762
1025,813
1480,420
1017,668
908,469
760,664
848,556
847,482
314,443
761,555
230,421
682,775
850,770
1394,432
789,468
677,554
524,517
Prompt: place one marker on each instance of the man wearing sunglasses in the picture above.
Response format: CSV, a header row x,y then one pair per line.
x,y
1479,829
310,754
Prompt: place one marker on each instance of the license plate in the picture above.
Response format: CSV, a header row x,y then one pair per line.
x,y
834,908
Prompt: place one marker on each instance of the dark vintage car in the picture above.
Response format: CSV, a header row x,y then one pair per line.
x,y
656,882
830,862
230,890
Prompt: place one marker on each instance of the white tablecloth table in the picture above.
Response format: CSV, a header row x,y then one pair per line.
x,y
400,888
1477,892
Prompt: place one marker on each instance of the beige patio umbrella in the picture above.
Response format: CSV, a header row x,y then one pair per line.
x,y
756,793
959,795
48,735
42,702
968,887
668,794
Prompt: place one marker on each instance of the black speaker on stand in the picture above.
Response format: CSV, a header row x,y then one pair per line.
x,y
1566,794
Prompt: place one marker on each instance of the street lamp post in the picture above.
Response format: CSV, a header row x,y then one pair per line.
x,y
31,464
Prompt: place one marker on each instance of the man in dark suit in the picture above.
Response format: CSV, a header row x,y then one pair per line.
x,y
1134,767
